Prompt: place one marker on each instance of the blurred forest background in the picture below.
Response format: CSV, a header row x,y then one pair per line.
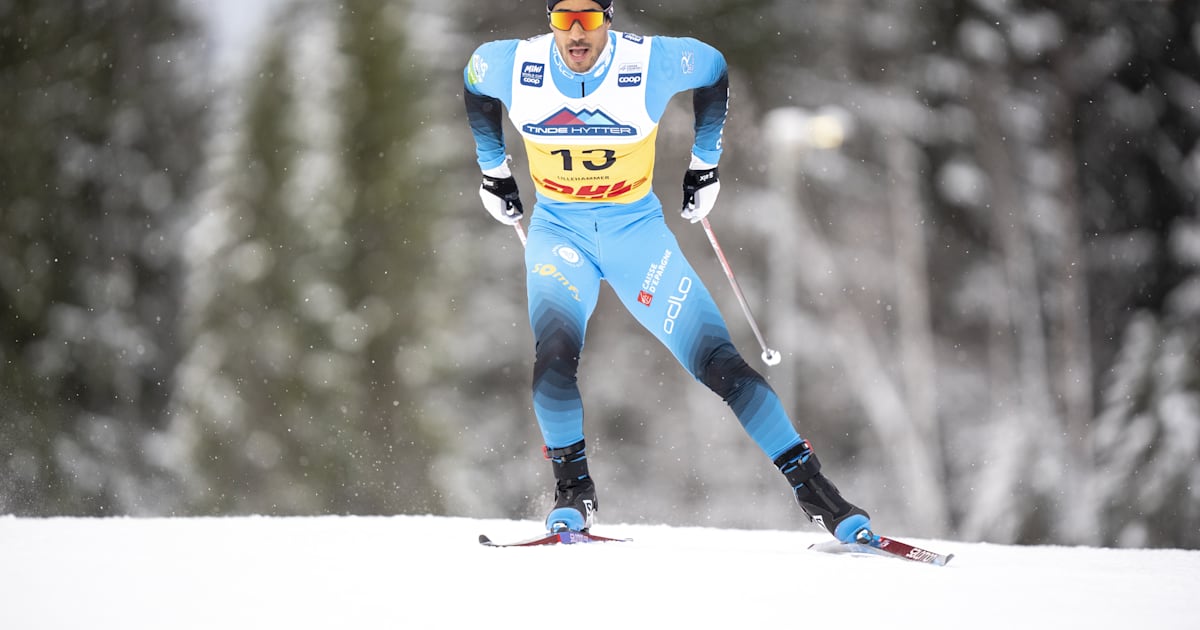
x,y
972,227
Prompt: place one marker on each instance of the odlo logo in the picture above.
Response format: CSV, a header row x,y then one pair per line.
x,y
675,304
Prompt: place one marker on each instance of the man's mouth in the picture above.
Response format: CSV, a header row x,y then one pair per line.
x,y
578,54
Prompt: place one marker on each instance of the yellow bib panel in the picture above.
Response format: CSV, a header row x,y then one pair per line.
x,y
598,148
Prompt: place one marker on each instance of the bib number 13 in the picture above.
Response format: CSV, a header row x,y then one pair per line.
x,y
597,159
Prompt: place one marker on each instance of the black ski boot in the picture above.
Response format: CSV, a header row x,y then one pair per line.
x,y
819,498
574,491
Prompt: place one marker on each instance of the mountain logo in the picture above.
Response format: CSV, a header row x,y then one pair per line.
x,y
586,122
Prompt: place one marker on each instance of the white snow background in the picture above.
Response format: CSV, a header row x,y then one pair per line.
x,y
429,572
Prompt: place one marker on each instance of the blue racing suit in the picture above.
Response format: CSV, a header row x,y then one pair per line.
x,y
589,139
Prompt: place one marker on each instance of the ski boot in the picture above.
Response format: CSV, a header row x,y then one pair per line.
x,y
820,499
575,502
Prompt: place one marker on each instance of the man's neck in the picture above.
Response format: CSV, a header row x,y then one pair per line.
x,y
597,69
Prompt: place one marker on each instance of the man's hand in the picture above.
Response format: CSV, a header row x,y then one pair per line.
x,y
700,188
501,199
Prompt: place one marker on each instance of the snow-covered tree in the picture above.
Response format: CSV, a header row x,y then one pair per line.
x,y
100,120
308,258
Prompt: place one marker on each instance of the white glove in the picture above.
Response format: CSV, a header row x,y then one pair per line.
x,y
500,196
700,188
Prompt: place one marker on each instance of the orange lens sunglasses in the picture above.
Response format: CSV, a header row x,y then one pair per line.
x,y
565,20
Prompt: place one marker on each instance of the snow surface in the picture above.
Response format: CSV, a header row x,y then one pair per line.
x,y
429,572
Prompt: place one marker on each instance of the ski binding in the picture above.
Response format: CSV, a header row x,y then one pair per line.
x,y
561,537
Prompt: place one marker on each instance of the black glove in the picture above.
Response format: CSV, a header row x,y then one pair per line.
x,y
502,199
700,188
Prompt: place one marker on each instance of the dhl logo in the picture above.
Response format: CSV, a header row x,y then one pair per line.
x,y
593,192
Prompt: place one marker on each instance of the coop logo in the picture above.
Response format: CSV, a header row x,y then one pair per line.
x,y
568,254
629,80
587,122
551,271
675,304
532,74
653,277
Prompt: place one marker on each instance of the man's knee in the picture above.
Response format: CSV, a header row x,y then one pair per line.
x,y
725,371
556,355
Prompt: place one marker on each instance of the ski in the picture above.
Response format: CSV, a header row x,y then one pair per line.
x,y
886,547
565,537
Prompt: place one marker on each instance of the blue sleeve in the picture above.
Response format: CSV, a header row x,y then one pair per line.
x,y
487,89
678,64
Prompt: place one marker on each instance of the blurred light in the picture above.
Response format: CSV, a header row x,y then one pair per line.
x,y
793,128
826,132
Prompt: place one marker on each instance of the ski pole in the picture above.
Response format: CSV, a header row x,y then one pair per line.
x,y
769,356
520,233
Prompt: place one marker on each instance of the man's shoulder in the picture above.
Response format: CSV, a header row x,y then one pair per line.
x,y
507,49
666,42
500,49
632,37
683,55
497,48
489,61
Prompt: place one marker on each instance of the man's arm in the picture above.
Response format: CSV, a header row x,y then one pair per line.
x,y
485,115
711,104
487,88
679,64
683,63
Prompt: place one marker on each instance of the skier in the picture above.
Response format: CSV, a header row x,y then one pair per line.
x,y
587,100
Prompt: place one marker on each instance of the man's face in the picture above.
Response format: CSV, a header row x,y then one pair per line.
x,y
580,48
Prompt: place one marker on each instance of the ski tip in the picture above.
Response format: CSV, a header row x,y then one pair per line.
x,y
484,540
